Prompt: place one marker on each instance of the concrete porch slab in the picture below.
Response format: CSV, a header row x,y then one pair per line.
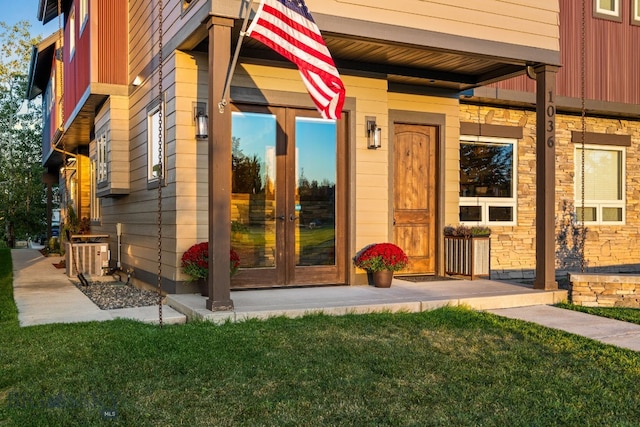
x,y
339,300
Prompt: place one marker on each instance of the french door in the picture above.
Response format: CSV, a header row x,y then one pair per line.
x,y
288,203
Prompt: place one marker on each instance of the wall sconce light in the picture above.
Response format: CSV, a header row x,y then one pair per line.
x,y
202,124
374,134
137,81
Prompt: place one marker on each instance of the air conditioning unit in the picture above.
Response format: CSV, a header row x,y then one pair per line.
x,y
87,258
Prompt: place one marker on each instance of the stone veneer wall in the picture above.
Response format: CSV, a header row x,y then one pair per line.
x,y
601,290
608,248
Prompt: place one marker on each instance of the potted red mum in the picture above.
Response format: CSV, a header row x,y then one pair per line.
x,y
195,263
381,260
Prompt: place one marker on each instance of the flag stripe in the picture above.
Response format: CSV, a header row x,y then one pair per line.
x,y
298,37
287,27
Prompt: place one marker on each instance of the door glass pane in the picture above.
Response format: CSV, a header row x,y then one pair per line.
x,y
253,157
315,202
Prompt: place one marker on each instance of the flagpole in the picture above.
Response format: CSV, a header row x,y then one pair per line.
x,y
234,61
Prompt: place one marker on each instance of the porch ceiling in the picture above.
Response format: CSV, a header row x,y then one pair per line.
x,y
78,134
403,63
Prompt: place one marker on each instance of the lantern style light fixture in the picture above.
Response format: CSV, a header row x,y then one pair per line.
x,y
374,134
202,124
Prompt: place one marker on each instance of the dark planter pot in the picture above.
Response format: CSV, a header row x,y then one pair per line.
x,y
203,284
381,279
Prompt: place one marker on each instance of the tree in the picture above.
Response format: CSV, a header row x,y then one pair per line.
x,y
22,195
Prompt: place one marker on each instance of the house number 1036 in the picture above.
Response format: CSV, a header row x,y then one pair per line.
x,y
551,120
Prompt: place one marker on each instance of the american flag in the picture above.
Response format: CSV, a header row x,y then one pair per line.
x,y
287,27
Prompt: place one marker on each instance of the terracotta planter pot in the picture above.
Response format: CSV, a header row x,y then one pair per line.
x,y
382,279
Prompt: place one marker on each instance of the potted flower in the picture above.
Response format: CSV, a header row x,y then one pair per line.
x,y
195,263
381,260
467,251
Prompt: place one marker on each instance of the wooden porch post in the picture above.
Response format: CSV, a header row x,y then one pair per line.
x,y
219,167
545,177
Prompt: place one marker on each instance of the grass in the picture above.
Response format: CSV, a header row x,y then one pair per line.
x,y
444,367
627,314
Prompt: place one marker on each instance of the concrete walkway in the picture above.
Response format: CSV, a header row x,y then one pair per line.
x,y
45,294
608,331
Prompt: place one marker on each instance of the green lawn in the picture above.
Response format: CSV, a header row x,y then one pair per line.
x,y
627,314
448,367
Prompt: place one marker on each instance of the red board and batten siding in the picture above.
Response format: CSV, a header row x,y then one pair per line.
x,y
612,62
112,40
108,24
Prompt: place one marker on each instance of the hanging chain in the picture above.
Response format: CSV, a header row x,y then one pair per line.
x,y
583,132
160,163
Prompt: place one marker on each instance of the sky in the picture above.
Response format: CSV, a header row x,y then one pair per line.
x,y
14,11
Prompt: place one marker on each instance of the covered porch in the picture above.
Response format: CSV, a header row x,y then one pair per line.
x,y
402,296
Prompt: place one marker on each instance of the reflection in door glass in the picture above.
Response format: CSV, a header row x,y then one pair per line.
x,y
253,228
315,202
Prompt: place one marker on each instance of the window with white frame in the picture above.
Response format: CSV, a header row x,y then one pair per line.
x,y
95,200
635,12
488,180
72,33
155,165
101,158
84,14
607,9
604,187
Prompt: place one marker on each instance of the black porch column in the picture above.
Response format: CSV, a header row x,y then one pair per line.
x,y
545,177
219,167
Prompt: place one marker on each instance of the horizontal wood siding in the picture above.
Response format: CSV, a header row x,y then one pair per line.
x,y
529,23
612,63
112,42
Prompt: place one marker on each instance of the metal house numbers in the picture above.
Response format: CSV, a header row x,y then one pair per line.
x,y
550,127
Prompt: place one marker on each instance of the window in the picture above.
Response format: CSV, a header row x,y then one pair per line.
x,y
49,96
84,14
603,184
187,4
95,200
635,12
487,180
607,9
153,129
72,33
101,162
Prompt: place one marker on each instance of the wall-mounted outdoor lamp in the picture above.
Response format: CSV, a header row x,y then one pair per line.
x,y
374,134
202,124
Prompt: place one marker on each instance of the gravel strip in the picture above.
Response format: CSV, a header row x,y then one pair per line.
x,y
114,295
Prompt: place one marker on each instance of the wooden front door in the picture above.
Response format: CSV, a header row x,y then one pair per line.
x,y
288,205
414,201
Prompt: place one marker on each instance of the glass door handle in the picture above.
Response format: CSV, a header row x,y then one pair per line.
x,y
281,217
292,217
